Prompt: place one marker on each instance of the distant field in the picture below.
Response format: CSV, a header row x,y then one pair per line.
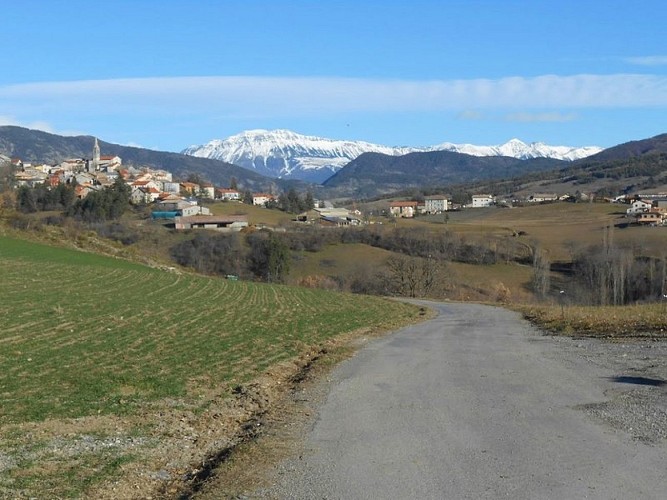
x,y
88,336
557,227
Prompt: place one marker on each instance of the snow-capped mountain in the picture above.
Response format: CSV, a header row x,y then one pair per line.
x,y
515,148
286,154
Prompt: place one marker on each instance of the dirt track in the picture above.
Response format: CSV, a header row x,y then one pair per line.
x,y
478,404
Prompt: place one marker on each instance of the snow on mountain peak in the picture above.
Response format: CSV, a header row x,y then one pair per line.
x,y
287,154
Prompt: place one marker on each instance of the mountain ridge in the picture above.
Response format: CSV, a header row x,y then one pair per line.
x,y
285,154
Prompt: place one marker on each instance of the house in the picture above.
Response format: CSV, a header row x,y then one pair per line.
x,y
226,223
639,206
162,176
436,204
227,194
207,190
171,187
30,178
403,208
651,218
482,200
109,162
145,184
73,164
190,188
82,190
262,199
542,197
659,206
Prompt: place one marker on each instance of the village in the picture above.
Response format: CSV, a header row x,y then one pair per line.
x,y
178,203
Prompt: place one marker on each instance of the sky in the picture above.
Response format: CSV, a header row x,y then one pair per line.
x,y
167,74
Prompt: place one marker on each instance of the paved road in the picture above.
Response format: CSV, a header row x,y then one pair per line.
x,y
472,404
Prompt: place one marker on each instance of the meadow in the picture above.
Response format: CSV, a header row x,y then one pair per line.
x,y
93,347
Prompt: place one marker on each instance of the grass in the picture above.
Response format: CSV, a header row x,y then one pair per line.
x,y
622,322
257,215
86,336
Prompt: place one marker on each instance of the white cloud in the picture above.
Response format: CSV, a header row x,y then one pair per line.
x,y
35,125
471,115
647,60
168,98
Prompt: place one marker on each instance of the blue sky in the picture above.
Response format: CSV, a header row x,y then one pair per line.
x,y
166,74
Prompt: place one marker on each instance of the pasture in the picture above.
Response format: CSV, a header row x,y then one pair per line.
x,y
557,227
95,350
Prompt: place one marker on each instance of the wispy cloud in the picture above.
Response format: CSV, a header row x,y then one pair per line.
x,y
540,117
267,97
471,115
37,125
647,60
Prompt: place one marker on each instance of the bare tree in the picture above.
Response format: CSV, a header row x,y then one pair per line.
x,y
541,272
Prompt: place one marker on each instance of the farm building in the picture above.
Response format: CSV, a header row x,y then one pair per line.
x,y
218,223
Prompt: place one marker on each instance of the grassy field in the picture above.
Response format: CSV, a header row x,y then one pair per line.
x,y
86,340
258,216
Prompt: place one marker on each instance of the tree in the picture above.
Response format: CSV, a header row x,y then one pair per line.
x,y
412,276
233,183
25,200
269,257
541,272
247,197
308,201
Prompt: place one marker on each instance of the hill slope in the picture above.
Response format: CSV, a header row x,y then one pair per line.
x,y
373,174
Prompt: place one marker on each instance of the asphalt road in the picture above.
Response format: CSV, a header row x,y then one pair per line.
x,y
472,404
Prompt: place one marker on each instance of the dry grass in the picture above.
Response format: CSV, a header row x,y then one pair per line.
x,y
557,227
257,216
622,322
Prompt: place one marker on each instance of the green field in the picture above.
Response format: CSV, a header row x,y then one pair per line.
x,y
86,337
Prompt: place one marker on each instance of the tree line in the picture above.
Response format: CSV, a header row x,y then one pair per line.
x,y
108,203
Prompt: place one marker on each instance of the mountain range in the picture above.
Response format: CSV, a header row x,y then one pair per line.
x,y
288,155
634,165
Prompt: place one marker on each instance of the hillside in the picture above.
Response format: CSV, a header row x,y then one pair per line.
x,y
372,173
636,166
37,146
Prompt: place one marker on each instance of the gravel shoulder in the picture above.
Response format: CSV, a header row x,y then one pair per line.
x,y
475,403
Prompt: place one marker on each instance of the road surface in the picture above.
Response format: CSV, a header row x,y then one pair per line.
x,y
472,404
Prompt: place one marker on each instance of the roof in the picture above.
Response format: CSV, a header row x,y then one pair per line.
x,y
213,219
404,204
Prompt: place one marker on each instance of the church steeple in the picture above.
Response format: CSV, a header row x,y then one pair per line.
x,y
96,155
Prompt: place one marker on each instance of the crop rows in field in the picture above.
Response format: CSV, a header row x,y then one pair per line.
x,y
76,333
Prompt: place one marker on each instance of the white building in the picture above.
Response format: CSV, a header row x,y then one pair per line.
x,y
261,198
483,200
638,207
436,204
